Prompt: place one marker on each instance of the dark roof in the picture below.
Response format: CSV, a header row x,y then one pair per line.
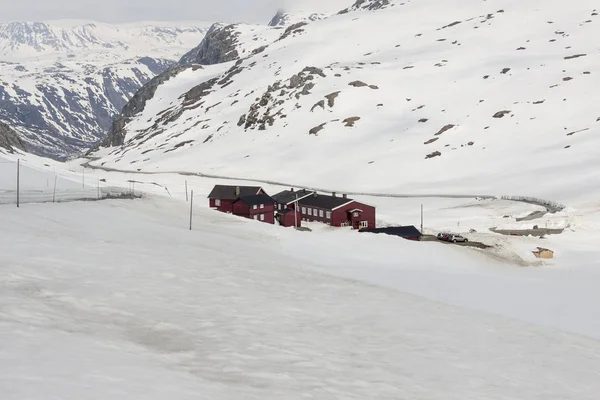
x,y
324,201
402,231
288,196
257,199
225,192
287,210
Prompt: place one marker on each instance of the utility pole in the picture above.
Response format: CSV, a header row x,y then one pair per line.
x,y
191,209
18,181
296,213
421,218
54,193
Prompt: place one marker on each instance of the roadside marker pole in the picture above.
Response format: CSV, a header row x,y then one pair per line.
x,y
186,192
54,193
18,181
421,218
191,209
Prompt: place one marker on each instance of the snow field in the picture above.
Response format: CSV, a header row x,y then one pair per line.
x,y
129,300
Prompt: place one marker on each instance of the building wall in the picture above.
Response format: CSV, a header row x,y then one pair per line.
x,y
241,209
288,219
340,215
312,217
226,205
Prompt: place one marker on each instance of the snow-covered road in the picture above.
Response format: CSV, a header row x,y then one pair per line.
x,y
117,299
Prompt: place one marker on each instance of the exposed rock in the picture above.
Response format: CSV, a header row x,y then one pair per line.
x,y
431,140
374,87
423,120
137,104
9,139
317,129
293,29
471,143
331,98
320,103
358,84
505,70
432,155
539,102
501,114
370,5
218,46
451,24
350,121
575,56
567,78
444,129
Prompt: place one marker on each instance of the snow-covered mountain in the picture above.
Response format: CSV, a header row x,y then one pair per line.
x,y
62,84
386,95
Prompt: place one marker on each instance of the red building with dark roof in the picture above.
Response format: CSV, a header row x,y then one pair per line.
x,y
245,201
337,211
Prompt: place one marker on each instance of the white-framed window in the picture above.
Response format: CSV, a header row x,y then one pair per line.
x,y
218,202
256,217
254,207
321,213
262,217
310,211
356,213
304,210
279,206
328,214
364,224
262,206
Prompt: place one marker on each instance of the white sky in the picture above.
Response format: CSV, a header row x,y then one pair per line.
x,y
159,10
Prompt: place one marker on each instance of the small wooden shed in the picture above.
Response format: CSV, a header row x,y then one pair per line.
x,y
543,253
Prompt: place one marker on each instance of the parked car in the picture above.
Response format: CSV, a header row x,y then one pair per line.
x,y
444,236
458,239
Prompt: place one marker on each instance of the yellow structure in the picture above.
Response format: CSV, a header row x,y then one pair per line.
x,y
543,253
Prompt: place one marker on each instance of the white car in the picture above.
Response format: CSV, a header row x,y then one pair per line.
x,y
457,239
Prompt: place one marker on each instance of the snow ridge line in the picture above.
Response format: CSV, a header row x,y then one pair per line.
x,y
551,207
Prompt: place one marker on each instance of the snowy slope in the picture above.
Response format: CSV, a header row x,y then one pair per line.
x,y
500,96
62,84
127,303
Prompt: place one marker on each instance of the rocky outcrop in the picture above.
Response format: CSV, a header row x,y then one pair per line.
x,y
369,5
282,18
9,139
116,135
218,46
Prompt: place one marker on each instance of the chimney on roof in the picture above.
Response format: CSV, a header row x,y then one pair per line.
x,y
238,191
292,190
345,196
315,194
333,194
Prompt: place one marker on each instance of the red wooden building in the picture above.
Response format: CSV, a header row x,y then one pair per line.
x,y
285,207
245,201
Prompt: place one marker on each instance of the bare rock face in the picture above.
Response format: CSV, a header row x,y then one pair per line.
x,y
331,98
431,141
350,121
433,155
358,84
445,129
370,5
268,107
318,104
9,139
501,114
116,135
317,129
293,29
218,46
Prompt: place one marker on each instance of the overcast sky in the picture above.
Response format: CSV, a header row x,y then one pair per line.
x,y
254,11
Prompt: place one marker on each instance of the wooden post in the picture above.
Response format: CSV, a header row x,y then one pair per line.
x,y
54,193
191,209
18,181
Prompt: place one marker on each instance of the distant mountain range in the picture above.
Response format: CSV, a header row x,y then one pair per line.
x,y
62,84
